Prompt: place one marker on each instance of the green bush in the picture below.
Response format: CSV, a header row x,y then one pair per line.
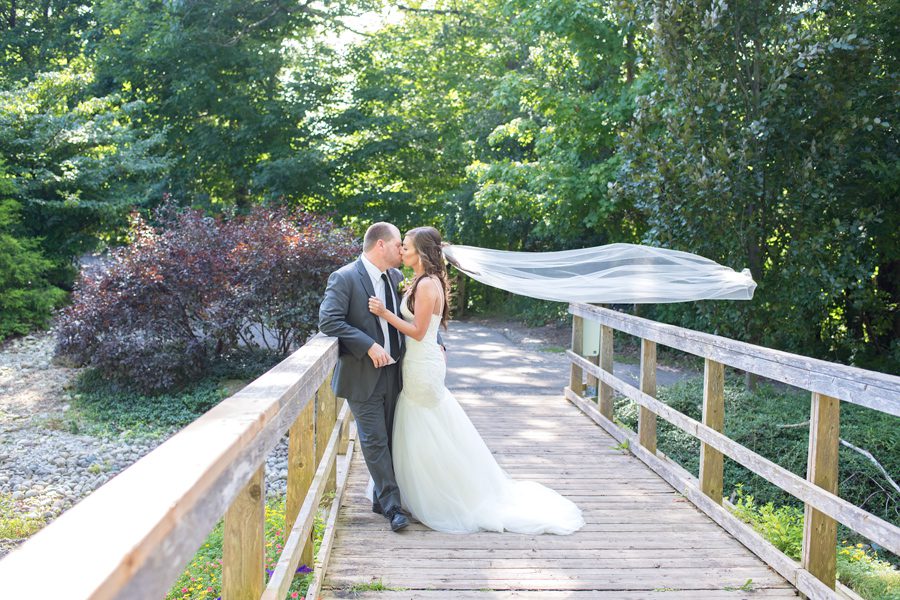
x,y
858,567
772,422
28,299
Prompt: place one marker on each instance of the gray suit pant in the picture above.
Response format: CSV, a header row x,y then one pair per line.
x,y
374,426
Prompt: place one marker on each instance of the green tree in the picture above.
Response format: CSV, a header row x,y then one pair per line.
x,y
766,138
77,162
236,86
27,298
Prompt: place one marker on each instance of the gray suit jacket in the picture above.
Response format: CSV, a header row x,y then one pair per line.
x,y
344,314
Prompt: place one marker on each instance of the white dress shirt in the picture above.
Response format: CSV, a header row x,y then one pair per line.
x,y
378,285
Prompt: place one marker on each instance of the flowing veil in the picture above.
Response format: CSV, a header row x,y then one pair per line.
x,y
613,274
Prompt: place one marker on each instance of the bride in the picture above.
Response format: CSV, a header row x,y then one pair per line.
x,y
447,476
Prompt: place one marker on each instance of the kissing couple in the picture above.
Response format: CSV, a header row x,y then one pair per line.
x,y
425,456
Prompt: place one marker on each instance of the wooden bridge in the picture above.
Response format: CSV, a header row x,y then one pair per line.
x,y
653,529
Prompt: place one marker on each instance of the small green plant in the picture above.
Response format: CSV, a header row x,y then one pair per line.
x,y
782,526
748,585
623,447
203,577
373,586
858,567
13,525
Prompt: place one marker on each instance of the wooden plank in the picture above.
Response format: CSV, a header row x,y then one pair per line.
x,y
171,503
658,594
244,540
605,393
576,381
345,432
325,548
646,417
326,414
819,530
689,486
301,469
857,519
711,460
284,570
871,389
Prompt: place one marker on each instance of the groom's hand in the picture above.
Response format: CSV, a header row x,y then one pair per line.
x,y
380,357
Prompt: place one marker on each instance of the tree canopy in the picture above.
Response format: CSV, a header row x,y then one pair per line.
x,y
757,135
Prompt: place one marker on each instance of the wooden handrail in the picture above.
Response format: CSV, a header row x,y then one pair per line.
x,y
871,389
828,382
133,536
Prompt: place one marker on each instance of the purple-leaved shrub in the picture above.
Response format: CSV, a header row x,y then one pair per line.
x,y
195,288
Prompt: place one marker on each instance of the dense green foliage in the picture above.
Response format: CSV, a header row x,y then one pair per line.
x,y
774,422
761,136
28,299
858,566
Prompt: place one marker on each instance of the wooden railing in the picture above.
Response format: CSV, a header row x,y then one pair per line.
x,y
133,537
829,384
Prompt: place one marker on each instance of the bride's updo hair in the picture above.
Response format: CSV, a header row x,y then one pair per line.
x,y
427,242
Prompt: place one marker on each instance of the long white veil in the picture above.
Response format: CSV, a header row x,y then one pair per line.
x,y
613,274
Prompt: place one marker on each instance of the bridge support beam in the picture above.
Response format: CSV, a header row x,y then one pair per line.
x,y
576,373
301,470
647,418
819,530
243,546
605,392
711,460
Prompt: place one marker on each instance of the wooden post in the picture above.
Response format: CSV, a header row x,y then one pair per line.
x,y
243,546
647,418
345,428
711,464
819,530
326,414
301,470
576,381
605,393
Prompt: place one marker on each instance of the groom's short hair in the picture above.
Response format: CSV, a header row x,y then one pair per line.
x,y
379,231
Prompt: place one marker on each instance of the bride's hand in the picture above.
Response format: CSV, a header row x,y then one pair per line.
x,y
376,307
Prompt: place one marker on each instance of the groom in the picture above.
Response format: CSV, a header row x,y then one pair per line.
x,y
368,372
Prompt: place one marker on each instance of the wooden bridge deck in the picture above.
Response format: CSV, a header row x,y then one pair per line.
x,y
641,540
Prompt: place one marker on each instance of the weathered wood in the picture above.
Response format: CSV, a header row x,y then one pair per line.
x,y
819,530
324,555
711,460
301,469
689,486
605,393
576,375
874,390
283,572
485,594
345,430
172,502
864,523
646,417
326,412
244,540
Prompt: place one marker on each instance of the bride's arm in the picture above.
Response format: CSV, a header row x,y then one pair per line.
x,y
427,297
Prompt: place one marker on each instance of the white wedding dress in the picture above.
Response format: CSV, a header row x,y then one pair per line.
x,y
448,478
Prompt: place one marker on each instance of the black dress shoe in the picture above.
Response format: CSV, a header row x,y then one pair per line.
x,y
376,508
398,519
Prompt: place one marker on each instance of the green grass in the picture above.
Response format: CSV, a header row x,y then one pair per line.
x,y
14,526
373,586
105,408
202,579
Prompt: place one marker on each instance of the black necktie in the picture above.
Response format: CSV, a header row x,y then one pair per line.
x,y
393,334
